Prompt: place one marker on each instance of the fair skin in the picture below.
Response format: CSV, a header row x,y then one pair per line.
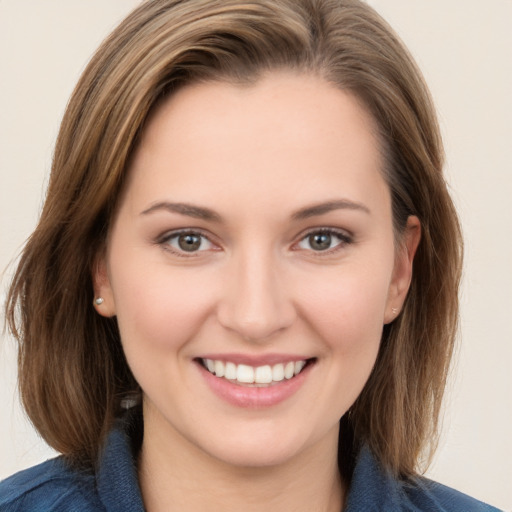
x,y
255,231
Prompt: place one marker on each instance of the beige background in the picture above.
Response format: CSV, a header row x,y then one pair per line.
x,y
465,51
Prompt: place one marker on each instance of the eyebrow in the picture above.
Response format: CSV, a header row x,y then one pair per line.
x,y
323,208
198,212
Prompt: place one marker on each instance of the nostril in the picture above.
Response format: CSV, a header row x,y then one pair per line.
x,y
255,304
256,328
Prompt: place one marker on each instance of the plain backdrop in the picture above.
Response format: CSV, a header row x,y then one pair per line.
x,y
465,51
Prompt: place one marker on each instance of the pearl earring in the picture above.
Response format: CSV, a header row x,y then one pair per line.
x,y
393,310
98,301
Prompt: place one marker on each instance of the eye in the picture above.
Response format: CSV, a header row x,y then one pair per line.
x,y
188,242
323,240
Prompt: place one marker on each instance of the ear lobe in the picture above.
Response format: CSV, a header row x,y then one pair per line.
x,y
402,272
102,288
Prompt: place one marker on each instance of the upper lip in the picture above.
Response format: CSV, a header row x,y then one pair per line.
x,y
255,360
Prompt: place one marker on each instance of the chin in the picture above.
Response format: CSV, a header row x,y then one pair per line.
x,y
256,456
268,449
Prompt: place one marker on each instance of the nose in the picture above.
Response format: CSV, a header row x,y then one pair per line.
x,y
255,304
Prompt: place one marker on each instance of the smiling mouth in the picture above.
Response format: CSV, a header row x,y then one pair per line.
x,y
255,376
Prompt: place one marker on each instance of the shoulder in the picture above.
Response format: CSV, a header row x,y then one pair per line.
x,y
373,488
428,495
52,485
57,486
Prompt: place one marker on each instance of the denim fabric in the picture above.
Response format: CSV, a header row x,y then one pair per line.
x,y
53,486
374,490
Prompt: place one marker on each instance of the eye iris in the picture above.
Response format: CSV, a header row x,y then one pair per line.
x,y
189,242
320,241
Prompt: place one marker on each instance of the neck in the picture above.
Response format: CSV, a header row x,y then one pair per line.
x,y
174,475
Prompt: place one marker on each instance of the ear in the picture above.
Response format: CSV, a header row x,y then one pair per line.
x,y
402,271
102,287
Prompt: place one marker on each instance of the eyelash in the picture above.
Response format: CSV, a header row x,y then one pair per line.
x,y
344,240
165,240
343,237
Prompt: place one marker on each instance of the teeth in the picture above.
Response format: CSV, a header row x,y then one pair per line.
x,y
254,375
244,374
210,365
230,371
219,368
298,366
289,370
263,375
278,372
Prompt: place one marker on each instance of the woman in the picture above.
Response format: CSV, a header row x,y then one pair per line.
x,y
218,308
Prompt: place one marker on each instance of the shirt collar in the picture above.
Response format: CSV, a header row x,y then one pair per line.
x,y
116,477
372,488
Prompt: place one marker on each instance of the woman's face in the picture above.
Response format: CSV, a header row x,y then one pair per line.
x,y
252,265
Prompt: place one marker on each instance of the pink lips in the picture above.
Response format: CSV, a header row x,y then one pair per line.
x,y
252,396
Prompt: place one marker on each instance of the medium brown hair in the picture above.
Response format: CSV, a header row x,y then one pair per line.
x,y
72,371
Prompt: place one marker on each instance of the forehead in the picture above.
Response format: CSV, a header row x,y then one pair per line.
x,y
287,136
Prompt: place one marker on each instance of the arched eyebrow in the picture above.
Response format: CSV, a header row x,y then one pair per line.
x,y
198,212
323,208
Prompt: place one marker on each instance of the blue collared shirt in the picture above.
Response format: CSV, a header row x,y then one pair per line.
x,y
55,486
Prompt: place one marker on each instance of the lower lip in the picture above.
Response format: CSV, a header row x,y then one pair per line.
x,y
254,397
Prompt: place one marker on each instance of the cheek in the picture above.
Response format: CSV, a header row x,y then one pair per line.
x,y
347,313
160,308
158,313
344,313
348,309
